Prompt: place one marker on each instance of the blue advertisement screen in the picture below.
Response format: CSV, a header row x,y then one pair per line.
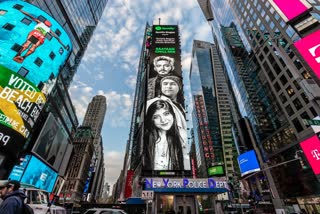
x,y
248,163
39,174
18,170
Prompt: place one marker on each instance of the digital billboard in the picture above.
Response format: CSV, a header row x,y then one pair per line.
x,y
39,174
165,142
52,142
32,43
290,9
311,149
248,163
309,49
216,171
18,170
20,105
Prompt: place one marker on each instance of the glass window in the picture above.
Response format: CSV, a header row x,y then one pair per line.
x,y
304,115
314,113
23,72
290,91
304,97
283,98
283,80
297,125
38,61
306,75
289,110
277,86
296,84
297,104
26,21
8,26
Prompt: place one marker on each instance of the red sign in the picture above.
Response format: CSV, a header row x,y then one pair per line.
x,y
129,182
309,48
311,148
291,8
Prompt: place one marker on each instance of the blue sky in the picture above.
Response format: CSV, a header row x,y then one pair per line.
x,y
109,66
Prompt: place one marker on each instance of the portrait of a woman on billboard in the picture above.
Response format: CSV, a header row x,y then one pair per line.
x,y
162,141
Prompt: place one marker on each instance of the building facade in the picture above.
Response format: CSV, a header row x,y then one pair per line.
x,y
94,118
282,89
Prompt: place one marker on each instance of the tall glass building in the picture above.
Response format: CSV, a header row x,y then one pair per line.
x,y
212,114
285,87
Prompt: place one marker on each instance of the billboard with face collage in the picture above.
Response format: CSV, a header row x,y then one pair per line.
x,y
33,48
165,129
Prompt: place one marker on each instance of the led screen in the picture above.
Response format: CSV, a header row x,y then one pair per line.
x,y
248,163
309,48
51,143
165,138
291,8
39,174
32,43
20,105
311,148
215,171
18,170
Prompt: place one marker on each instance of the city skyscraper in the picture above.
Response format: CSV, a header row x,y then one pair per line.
x,y
94,118
212,112
282,89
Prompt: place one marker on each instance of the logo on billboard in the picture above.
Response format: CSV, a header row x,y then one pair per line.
x,y
309,48
311,149
316,154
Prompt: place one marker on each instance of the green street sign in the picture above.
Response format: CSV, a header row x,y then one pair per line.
x,y
311,122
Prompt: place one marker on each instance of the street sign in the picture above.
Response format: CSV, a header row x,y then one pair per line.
x,y
311,122
147,194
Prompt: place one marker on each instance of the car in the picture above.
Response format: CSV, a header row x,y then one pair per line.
x,y
104,211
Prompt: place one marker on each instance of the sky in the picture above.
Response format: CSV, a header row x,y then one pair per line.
x,y
109,66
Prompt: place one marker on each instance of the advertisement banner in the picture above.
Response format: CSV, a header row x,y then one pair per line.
x,y
311,149
248,163
32,43
290,9
18,170
51,143
129,183
186,183
309,48
165,139
20,105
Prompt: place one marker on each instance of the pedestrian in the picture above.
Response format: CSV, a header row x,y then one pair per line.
x,y
12,197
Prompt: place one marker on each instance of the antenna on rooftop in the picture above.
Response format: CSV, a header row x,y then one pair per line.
x,y
159,21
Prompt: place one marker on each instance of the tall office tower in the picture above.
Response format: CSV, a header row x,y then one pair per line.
x,y
284,39
212,114
94,118
159,148
79,166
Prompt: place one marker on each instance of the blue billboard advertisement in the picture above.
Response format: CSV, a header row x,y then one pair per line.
x,y
248,163
18,170
36,173
32,43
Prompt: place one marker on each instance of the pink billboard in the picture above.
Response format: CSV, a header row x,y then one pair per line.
x,y
292,8
311,148
309,48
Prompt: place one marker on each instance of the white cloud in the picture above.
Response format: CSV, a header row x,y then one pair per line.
x,y
114,163
131,81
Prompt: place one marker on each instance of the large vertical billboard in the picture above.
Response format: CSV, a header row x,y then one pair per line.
x,y
165,129
51,143
33,48
290,9
311,149
309,49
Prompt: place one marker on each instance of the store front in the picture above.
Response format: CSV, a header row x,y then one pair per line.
x,y
178,195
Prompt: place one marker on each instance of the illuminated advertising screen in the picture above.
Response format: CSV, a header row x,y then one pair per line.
x,y
215,171
248,163
20,105
34,172
18,170
165,137
311,149
290,9
129,182
39,174
51,143
32,43
309,49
